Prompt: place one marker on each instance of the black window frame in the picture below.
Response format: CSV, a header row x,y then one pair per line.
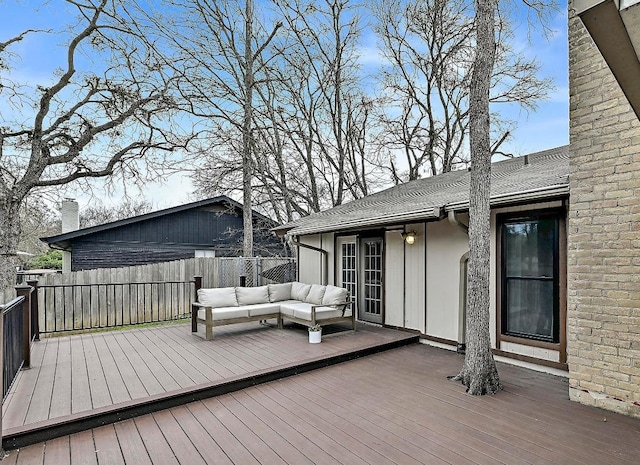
x,y
527,217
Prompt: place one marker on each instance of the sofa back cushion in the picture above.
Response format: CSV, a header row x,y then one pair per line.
x,y
335,295
315,295
279,292
218,297
252,295
299,291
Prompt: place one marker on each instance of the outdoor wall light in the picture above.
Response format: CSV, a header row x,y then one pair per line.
x,y
409,237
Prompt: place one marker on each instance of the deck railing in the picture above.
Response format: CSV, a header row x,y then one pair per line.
x,y
74,307
13,332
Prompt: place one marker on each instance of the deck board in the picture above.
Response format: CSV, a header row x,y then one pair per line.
x,y
82,449
80,390
234,450
159,450
40,401
201,439
58,452
131,445
393,407
107,446
98,386
62,382
18,399
182,446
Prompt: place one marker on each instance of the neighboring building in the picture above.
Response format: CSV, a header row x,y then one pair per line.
x,y
403,254
206,228
604,216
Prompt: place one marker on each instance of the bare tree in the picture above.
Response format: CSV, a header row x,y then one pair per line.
x,y
97,214
429,49
102,113
328,108
221,48
36,220
479,373
311,117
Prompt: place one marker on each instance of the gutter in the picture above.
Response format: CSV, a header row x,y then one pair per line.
x,y
455,222
540,193
325,254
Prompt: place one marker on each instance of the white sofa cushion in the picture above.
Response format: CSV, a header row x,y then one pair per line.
x,y
302,310
299,291
252,295
263,309
218,297
335,295
225,313
289,308
315,294
279,292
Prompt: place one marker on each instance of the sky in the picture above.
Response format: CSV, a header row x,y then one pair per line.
x,y
546,127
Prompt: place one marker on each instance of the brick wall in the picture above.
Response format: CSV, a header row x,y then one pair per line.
x,y
603,235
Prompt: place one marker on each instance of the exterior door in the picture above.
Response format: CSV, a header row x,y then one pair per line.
x,y
371,295
347,269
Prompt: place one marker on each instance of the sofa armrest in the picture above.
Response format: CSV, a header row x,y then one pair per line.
x,y
195,306
199,305
344,306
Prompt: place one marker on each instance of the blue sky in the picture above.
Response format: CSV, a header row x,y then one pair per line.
x,y
544,128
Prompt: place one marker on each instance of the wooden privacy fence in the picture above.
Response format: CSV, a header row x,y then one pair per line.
x,y
112,297
74,307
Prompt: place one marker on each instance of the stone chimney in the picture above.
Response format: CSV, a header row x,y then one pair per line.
x,y
70,222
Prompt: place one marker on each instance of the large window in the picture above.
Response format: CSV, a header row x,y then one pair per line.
x,y
530,277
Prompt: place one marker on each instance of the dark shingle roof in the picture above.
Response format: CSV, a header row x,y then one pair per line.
x,y
221,199
545,176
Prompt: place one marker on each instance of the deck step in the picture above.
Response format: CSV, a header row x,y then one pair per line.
x,y
34,433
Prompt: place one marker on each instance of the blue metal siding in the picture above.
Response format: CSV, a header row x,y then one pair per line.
x,y
169,237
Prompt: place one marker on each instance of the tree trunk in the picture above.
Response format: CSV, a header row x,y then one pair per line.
x,y
9,239
247,142
479,373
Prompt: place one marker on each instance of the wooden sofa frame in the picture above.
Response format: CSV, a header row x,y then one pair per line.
x,y
210,323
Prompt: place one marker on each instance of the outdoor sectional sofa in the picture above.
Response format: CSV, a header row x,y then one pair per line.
x,y
306,304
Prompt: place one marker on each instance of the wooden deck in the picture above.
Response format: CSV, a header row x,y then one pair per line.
x,y
392,407
103,377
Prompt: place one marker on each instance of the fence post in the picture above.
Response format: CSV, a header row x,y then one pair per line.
x,y
35,317
258,271
194,310
24,290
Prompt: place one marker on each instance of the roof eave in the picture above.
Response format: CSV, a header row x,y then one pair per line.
x,y
532,195
367,223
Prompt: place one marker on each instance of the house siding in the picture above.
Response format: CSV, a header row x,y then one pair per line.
x,y
170,237
415,279
446,246
310,261
603,234
394,275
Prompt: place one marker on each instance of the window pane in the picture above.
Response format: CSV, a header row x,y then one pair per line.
x,y
530,309
530,248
